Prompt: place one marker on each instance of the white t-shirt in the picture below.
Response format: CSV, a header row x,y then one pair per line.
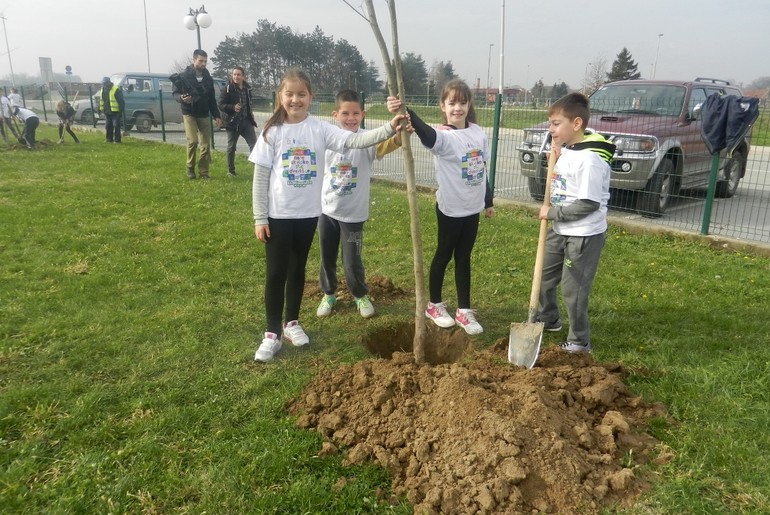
x,y
459,156
15,99
25,114
295,154
346,184
5,107
581,174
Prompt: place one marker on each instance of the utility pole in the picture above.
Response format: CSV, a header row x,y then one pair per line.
x,y
8,49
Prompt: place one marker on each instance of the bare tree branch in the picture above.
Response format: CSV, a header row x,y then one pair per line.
x,y
356,10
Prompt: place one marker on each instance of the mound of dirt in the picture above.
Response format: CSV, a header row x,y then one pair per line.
x,y
381,290
484,436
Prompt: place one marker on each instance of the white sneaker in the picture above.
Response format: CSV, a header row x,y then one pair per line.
x,y
294,334
365,307
466,318
438,313
326,305
268,348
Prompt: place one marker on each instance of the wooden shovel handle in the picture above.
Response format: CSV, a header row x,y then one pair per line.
x,y
537,276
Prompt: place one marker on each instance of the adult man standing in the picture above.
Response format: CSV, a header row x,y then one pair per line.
x,y
194,89
111,104
235,102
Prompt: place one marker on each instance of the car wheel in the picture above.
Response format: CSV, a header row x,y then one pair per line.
x,y
656,197
733,171
143,123
87,117
536,188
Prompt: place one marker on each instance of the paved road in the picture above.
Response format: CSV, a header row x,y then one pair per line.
x,y
746,216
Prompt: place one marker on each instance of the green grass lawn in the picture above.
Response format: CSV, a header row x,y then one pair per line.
x,y
131,306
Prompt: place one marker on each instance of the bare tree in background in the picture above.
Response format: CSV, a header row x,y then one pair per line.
x,y
597,75
395,84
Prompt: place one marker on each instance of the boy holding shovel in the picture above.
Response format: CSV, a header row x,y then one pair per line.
x,y
580,190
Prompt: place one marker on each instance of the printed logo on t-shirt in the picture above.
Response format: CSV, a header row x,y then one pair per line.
x,y
473,168
344,178
299,166
558,190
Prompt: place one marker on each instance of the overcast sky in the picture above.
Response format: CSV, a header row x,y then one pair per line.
x,y
553,40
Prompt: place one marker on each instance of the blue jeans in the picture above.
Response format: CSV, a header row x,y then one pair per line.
x,y
113,126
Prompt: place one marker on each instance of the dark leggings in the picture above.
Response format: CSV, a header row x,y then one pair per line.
x,y
286,256
62,127
456,236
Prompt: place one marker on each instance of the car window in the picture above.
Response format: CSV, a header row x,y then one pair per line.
x,y
650,99
165,85
697,97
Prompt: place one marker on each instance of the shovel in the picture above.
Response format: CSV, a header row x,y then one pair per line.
x,y
525,338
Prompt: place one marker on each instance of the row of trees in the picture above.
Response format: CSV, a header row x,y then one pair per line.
x,y
333,65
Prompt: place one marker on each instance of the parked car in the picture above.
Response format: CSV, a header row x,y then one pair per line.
x,y
142,93
656,127
84,110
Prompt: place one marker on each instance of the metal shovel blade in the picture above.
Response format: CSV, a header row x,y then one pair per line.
x,y
524,343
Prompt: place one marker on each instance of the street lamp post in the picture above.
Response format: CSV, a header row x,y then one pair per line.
x,y
196,19
146,35
489,62
655,64
7,49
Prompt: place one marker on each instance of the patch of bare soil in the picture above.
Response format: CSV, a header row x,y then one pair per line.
x,y
481,435
381,290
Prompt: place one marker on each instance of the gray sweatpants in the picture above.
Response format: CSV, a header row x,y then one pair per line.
x,y
571,261
331,233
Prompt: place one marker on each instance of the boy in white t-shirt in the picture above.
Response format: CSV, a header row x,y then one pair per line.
x,y
345,208
580,190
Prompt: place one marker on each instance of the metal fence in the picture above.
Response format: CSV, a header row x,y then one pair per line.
x,y
741,214
738,210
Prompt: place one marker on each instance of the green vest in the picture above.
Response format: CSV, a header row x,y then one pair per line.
x,y
114,107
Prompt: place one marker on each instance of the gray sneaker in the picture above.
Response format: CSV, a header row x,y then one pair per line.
x,y
576,347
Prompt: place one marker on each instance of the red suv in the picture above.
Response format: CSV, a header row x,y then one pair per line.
x,y
655,126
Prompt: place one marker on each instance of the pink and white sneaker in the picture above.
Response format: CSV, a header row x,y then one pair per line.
x,y
438,313
466,318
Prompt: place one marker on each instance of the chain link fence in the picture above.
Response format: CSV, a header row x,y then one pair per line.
x,y
659,145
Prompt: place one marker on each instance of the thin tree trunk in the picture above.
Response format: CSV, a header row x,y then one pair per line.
x,y
396,86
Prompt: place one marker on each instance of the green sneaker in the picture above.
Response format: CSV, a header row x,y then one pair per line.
x,y
326,305
364,306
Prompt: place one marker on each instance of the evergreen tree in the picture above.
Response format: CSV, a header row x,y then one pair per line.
x,y
623,68
559,90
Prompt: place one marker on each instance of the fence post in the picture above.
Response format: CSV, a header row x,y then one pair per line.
x,y
162,115
91,100
710,193
495,134
42,100
363,106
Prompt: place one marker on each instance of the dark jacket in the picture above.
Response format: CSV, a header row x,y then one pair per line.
x,y
228,97
204,101
725,121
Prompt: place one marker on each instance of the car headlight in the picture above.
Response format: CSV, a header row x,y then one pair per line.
x,y
534,138
635,144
